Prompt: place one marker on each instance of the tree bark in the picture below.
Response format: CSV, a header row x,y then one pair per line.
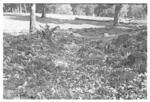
x,y
24,8
32,18
116,16
145,8
20,8
43,11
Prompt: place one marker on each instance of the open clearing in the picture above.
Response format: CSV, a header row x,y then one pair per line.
x,y
19,23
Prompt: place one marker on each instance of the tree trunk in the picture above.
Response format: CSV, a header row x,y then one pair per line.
x,y
116,16
145,8
24,8
43,11
20,8
32,18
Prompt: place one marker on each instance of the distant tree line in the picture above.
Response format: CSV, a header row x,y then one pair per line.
x,y
107,10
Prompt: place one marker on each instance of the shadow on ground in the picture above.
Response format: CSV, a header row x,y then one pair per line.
x,y
58,21
108,25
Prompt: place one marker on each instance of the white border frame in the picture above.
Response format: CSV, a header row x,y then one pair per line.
x,y
71,1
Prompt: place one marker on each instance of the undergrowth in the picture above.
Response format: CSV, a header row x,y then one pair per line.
x,y
65,66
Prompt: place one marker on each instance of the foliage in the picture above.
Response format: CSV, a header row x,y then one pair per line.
x,y
80,67
89,10
83,9
63,9
136,11
39,8
124,11
51,8
104,10
78,9
13,7
74,6
108,10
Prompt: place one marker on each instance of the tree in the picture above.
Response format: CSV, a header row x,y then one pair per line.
x,y
32,18
124,10
44,11
63,9
137,11
24,8
9,7
20,8
116,15
89,9
74,6
145,8
78,9
51,8
101,8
